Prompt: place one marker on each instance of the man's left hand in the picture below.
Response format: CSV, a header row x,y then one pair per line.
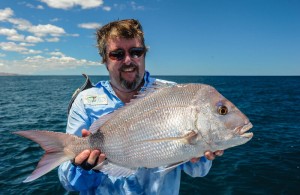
x,y
209,155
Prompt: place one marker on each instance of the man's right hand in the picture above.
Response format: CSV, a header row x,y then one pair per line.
x,y
87,159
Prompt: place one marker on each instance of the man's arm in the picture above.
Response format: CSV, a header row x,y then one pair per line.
x,y
199,167
75,177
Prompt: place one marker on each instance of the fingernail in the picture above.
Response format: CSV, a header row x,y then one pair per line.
x,y
96,152
219,153
86,152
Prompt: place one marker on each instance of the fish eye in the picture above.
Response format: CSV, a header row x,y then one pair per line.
x,y
222,110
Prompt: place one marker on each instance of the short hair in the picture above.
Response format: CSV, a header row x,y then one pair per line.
x,y
128,29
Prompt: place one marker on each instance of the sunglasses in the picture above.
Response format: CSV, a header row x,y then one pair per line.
x,y
119,54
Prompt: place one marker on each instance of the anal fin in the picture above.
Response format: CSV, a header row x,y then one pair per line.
x,y
170,167
114,170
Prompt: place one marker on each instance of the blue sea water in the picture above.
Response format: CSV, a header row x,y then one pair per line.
x,y
268,164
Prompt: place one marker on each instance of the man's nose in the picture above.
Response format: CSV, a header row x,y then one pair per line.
x,y
127,59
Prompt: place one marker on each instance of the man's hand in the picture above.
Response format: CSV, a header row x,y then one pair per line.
x,y
87,159
209,155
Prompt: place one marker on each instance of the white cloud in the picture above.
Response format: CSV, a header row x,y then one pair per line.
x,y
6,13
26,44
39,7
32,35
37,63
20,48
11,46
16,37
19,23
8,32
34,7
55,19
106,8
134,6
53,39
129,5
13,35
56,53
73,35
91,25
39,30
32,39
48,29
31,51
68,4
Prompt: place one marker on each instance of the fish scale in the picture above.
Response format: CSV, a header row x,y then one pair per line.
x,y
172,113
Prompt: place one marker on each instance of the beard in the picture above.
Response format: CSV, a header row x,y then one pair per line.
x,y
130,85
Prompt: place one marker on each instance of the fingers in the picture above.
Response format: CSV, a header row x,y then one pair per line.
x,y
212,155
219,152
194,160
85,133
93,157
101,158
209,155
88,159
80,158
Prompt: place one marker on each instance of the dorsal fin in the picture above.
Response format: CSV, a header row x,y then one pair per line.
x,y
145,91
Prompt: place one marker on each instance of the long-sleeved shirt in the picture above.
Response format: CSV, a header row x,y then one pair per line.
x,y
90,105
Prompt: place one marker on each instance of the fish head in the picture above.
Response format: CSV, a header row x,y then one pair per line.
x,y
221,124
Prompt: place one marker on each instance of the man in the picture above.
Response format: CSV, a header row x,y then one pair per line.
x,y
122,47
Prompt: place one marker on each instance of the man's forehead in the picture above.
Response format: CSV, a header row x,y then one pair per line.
x,y
118,41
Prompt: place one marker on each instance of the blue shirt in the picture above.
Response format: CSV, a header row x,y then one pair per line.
x,y
93,103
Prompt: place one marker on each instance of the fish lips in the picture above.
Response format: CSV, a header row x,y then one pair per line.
x,y
241,130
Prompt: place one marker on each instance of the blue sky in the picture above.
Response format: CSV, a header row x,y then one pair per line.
x,y
200,37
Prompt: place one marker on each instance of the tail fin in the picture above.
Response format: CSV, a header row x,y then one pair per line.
x,y
53,143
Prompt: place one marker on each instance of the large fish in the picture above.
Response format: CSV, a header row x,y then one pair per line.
x,y
164,127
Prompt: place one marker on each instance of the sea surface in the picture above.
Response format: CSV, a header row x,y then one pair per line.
x,y
268,164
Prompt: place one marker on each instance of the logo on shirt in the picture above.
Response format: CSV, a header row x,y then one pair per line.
x,y
95,100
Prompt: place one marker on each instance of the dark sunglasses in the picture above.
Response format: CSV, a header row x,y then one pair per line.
x,y
119,54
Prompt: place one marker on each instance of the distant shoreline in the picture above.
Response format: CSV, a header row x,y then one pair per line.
x,y
8,74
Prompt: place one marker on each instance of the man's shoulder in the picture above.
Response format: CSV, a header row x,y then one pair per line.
x,y
151,80
165,81
93,88
87,88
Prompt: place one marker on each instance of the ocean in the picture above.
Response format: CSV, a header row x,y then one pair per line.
x,y
268,164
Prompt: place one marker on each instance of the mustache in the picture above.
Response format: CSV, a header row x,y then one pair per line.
x,y
124,66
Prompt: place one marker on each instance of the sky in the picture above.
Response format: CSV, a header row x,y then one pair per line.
x,y
192,37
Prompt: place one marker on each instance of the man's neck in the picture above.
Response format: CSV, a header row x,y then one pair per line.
x,y
124,95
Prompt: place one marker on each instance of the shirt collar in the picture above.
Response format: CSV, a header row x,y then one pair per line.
x,y
106,84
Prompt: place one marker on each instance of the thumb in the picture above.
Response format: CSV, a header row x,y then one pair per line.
x,y
85,133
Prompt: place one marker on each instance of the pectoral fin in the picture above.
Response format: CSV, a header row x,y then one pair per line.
x,y
188,138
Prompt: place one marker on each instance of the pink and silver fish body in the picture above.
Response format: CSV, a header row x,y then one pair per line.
x,y
165,128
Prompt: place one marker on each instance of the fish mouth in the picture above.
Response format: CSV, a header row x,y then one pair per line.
x,y
241,130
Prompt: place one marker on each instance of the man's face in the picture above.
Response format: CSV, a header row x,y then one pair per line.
x,y
125,74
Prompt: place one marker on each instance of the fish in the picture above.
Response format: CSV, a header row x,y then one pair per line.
x,y
162,127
